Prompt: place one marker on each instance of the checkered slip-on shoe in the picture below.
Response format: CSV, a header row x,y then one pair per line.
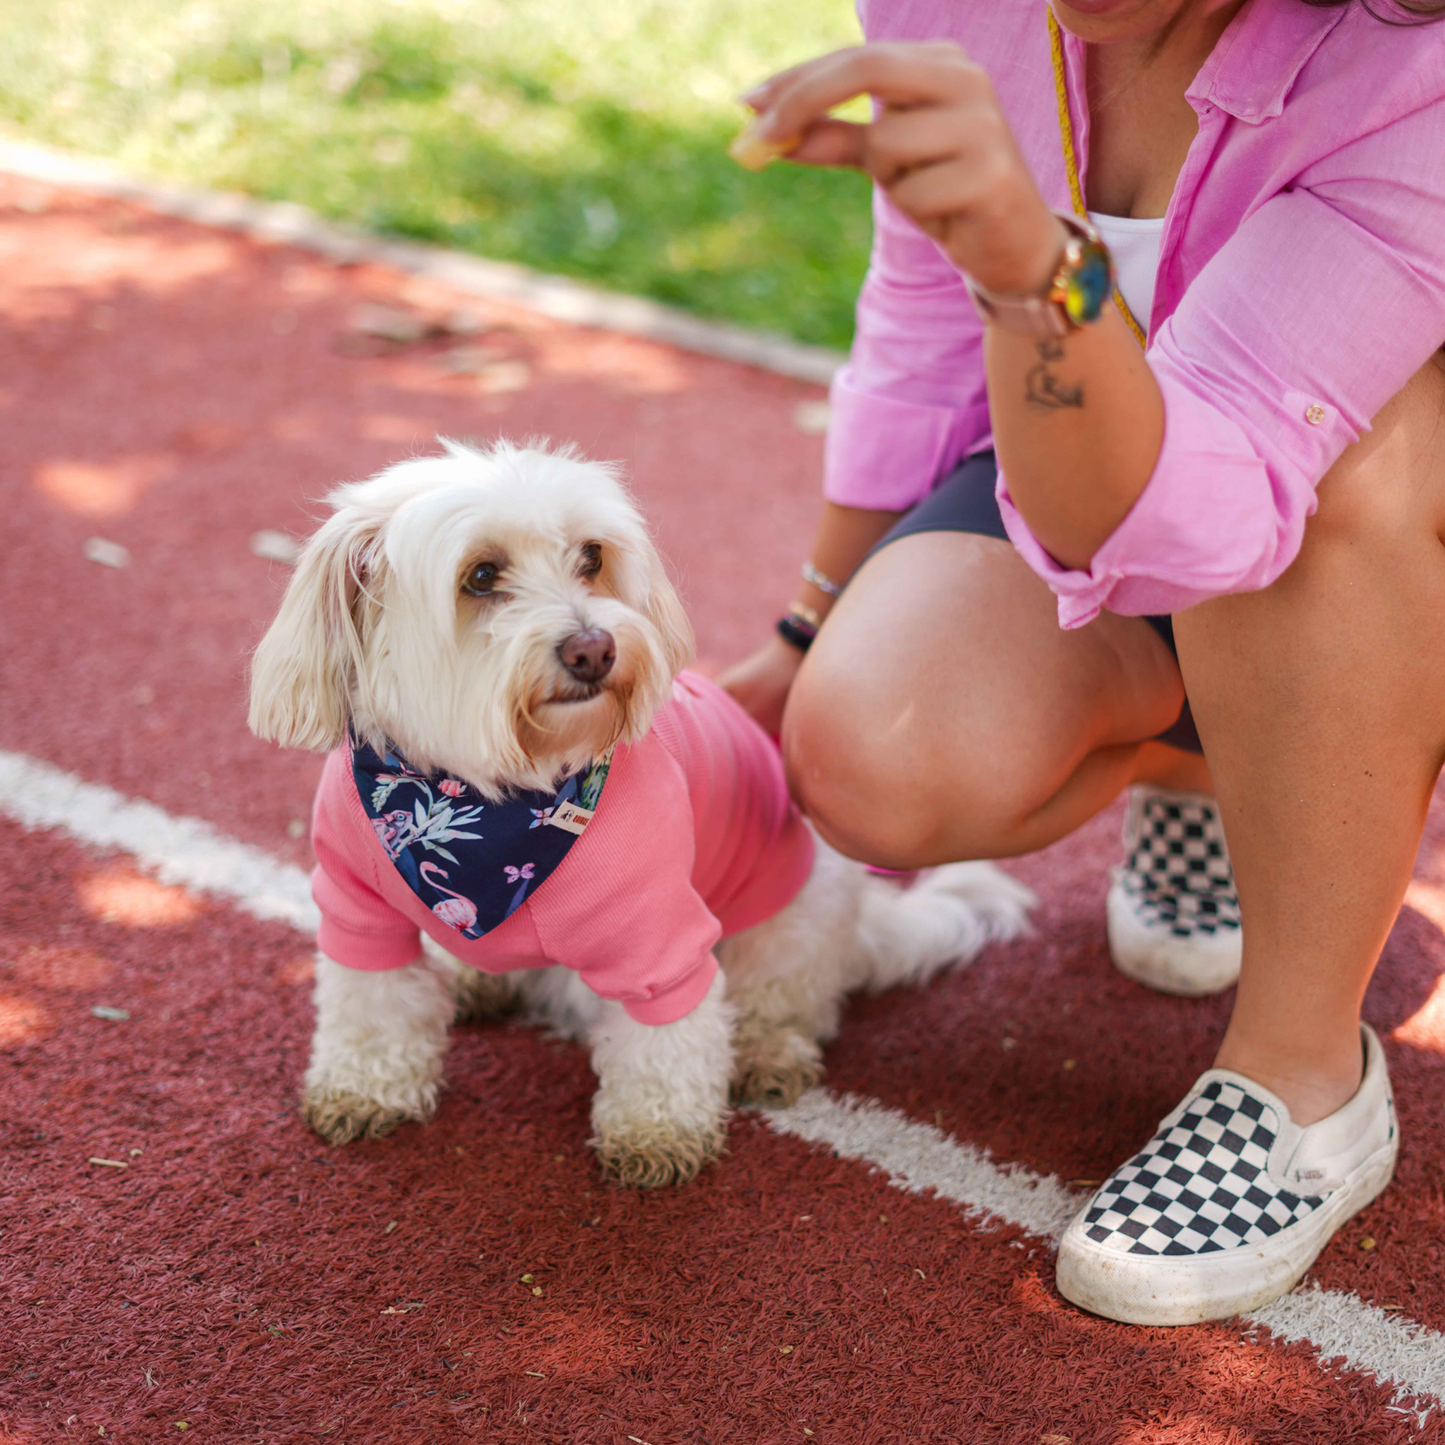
x,y
1229,1203
1173,912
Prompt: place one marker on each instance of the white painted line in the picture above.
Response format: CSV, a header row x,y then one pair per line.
x,y
178,850
917,1158
1383,1343
556,296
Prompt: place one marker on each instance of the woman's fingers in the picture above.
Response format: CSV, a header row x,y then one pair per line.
x,y
903,140
897,142
940,146
760,97
898,74
928,93
831,143
937,192
825,143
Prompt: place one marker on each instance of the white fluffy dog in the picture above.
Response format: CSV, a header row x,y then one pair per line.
x,y
476,627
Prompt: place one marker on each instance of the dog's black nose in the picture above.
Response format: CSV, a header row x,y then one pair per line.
x,y
588,655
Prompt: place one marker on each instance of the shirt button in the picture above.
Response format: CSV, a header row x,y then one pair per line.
x,y
1315,415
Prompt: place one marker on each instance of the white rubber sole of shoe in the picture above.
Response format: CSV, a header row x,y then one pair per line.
x,y
1191,968
1152,1289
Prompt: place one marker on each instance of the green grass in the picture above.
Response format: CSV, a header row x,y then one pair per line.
x,y
577,137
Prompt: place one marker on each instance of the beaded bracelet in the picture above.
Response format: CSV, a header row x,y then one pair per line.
x,y
821,581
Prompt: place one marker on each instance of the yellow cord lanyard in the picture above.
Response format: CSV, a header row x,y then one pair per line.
x,y
1071,160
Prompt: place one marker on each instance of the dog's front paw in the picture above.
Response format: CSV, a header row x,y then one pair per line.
x,y
339,1115
775,1069
376,1055
661,1105
654,1155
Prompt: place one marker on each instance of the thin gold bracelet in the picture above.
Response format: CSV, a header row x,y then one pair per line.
x,y
807,614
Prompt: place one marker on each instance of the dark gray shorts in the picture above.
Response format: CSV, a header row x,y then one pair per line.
x,y
964,501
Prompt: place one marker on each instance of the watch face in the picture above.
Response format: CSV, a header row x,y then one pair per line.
x,y
1089,283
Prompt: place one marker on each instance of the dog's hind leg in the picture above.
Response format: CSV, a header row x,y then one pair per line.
x,y
776,1060
479,996
482,996
847,930
787,978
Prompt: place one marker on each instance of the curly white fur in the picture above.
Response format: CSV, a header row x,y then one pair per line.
x,y
377,628
376,1055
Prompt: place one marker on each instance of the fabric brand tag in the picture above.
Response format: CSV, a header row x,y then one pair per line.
x,y
570,817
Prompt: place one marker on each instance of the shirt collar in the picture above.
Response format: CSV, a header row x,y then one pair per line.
x,y
1253,68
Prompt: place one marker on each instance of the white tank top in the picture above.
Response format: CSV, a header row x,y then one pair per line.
x,y
1134,244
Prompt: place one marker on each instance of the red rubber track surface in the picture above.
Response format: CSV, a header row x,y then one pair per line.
x,y
175,390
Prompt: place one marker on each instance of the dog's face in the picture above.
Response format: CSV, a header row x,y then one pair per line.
x,y
500,615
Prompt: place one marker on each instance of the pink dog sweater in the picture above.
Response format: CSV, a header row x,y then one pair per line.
x,y
694,838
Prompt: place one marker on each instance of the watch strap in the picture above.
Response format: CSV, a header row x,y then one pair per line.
x,y
1074,296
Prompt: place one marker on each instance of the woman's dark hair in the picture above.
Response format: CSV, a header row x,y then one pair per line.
x,y
1424,11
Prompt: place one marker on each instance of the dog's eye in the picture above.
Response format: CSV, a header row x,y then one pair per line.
x,y
481,579
591,560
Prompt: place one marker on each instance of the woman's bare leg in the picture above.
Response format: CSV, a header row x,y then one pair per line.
x,y
942,714
1322,703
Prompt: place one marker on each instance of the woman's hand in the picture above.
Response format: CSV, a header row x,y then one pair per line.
x,y
761,682
943,152
939,146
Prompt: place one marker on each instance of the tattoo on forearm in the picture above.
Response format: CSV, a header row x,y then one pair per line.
x,y
1042,388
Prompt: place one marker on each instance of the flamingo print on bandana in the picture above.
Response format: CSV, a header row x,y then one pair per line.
x,y
454,910
420,818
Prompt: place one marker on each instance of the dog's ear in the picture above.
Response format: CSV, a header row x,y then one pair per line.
x,y
665,610
307,663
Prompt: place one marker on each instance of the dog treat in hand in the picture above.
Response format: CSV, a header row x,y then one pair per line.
x,y
751,152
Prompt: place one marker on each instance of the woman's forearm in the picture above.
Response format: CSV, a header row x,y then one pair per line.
x,y
844,538
845,535
1078,424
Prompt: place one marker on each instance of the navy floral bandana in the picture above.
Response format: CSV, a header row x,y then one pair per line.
x,y
470,861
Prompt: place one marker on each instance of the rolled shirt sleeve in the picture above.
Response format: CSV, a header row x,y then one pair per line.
x,y
1318,309
912,400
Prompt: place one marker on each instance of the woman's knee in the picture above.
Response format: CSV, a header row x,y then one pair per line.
x,y
941,711
854,768
857,798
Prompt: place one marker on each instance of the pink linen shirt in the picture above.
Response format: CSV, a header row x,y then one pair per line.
x,y
694,839
1301,283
